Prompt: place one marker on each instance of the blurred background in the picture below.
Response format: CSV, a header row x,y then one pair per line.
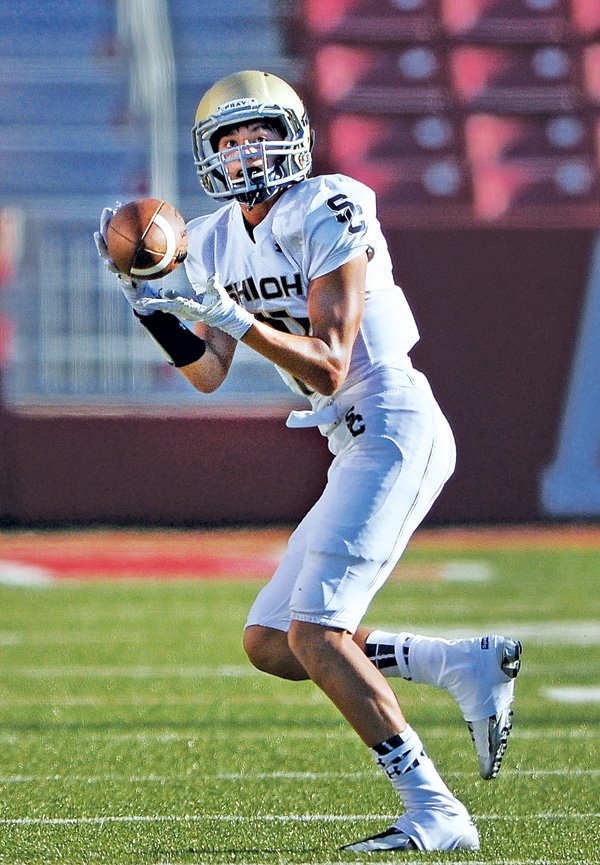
x,y
477,122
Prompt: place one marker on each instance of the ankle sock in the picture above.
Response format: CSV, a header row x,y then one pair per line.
x,y
413,775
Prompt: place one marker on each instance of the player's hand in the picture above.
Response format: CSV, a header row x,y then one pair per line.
x,y
133,289
214,307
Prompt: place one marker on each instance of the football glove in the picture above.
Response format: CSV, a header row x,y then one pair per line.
x,y
133,289
214,307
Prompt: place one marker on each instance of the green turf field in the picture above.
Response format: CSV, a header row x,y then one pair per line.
x,y
132,729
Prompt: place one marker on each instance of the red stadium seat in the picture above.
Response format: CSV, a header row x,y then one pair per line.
x,y
591,73
585,18
366,20
419,192
544,192
411,79
494,138
524,78
518,21
356,138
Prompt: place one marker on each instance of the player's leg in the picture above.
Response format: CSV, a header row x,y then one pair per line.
x,y
268,650
435,819
378,491
380,486
265,635
479,673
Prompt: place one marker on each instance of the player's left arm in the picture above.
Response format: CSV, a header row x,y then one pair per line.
x,y
210,371
335,308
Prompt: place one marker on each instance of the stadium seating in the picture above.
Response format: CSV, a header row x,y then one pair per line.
x,y
585,18
549,192
73,142
363,21
521,78
66,130
370,79
491,106
517,21
494,138
410,161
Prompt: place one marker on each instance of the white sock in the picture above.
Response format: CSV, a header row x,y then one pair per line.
x,y
467,668
426,660
413,775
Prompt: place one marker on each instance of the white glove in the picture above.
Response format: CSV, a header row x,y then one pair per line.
x,y
133,289
214,308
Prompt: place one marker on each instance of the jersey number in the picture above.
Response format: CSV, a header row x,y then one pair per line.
x,y
346,211
280,319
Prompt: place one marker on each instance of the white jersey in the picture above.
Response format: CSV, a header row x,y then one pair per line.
x,y
316,226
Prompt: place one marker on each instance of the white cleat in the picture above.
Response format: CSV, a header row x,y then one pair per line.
x,y
490,732
425,830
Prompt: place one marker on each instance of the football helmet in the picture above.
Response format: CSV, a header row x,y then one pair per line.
x,y
235,101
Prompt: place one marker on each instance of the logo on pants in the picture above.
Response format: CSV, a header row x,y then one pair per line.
x,y
354,422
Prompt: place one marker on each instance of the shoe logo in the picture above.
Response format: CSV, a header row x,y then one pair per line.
x,y
485,642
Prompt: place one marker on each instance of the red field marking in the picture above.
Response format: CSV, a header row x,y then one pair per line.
x,y
159,555
245,554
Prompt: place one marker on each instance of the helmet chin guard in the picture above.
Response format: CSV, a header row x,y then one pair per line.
x,y
237,101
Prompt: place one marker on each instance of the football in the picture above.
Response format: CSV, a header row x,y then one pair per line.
x,y
147,238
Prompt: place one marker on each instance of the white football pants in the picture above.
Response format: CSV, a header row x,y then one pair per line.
x,y
394,451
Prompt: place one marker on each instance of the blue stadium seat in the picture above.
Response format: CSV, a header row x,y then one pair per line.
x,y
72,173
76,103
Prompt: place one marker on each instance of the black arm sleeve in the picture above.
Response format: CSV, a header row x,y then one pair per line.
x,y
179,343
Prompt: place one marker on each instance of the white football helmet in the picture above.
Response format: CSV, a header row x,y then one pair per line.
x,y
236,101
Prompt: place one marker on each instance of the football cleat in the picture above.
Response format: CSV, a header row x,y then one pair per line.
x,y
490,735
427,830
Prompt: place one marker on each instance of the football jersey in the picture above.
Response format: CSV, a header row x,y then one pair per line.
x,y
315,226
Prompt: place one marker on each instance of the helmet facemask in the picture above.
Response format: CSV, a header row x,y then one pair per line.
x,y
266,166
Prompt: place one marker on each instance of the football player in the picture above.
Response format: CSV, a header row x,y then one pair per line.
x,y
297,268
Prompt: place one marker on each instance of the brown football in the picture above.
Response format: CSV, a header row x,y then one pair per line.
x,y
147,238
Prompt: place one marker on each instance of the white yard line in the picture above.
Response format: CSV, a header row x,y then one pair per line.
x,y
411,862
567,633
252,777
143,672
573,695
574,632
141,700
264,818
341,732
